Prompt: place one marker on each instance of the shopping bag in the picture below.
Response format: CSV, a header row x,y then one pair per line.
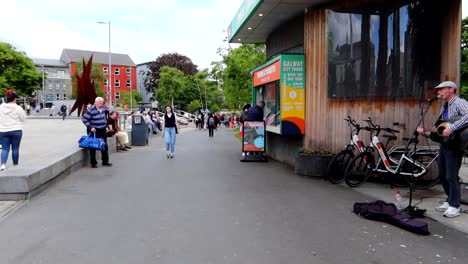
x,y
91,142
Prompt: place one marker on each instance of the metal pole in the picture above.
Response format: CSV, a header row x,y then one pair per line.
x,y
131,90
206,102
110,68
199,92
43,87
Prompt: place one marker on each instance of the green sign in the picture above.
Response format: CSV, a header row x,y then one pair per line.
x,y
292,70
244,12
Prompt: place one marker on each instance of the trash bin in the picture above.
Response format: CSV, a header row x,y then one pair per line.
x,y
139,131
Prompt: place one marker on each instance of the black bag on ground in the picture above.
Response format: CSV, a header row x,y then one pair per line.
x,y
388,213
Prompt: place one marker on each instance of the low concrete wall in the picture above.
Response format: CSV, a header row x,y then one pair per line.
x,y
24,183
283,148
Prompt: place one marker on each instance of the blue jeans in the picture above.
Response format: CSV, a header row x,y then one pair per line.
x,y
170,138
11,139
449,166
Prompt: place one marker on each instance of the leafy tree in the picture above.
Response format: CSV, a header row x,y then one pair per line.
x,y
235,69
175,60
194,105
464,59
17,71
171,83
96,75
125,98
210,91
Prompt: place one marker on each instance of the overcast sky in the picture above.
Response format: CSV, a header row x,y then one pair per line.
x,y
143,29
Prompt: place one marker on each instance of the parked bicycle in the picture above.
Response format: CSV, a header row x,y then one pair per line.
x,y
337,166
403,165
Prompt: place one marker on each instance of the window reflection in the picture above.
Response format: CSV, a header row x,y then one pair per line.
x,y
383,52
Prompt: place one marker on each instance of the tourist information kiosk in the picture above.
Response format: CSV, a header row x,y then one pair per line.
x,y
280,84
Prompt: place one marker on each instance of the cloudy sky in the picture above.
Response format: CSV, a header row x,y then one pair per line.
x,y
144,29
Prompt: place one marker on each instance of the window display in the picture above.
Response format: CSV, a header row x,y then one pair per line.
x,y
384,51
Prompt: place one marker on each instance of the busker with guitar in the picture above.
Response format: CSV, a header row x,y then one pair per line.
x,y
450,155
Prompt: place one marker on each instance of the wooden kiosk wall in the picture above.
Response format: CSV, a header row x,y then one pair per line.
x,y
324,124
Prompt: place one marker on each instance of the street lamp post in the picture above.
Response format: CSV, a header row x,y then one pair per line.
x,y
199,91
43,87
109,71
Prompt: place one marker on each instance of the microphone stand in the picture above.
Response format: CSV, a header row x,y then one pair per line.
x,y
414,211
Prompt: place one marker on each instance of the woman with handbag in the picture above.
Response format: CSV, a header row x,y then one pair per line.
x,y
11,132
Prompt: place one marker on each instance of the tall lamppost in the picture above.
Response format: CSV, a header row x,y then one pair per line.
x,y
109,71
43,87
199,91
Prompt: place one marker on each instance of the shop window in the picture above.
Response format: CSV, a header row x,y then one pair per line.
x,y
389,50
268,93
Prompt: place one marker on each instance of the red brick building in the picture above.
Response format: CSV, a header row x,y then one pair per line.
x,y
123,70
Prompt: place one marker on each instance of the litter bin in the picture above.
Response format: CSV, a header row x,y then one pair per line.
x,y
139,131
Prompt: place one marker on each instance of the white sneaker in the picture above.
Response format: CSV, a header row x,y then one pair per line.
x,y
3,167
452,212
443,207
172,155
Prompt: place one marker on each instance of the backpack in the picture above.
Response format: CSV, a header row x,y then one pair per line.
x,y
211,121
388,212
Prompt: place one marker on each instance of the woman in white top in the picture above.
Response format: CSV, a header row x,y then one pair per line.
x,y
11,131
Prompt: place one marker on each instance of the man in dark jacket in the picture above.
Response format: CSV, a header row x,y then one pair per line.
x,y
95,121
255,113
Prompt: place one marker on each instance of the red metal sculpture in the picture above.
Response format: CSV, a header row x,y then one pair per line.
x,y
86,91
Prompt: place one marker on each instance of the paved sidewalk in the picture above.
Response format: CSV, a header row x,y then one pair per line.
x,y
423,199
47,140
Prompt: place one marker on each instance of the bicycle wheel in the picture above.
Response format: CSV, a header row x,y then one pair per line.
x,y
359,169
430,178
336,167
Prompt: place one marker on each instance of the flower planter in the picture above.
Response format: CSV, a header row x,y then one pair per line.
x,y
312,164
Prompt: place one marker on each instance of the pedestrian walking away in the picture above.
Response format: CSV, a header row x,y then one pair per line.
x,y
95,121
211,125
450,156
11,131
169,132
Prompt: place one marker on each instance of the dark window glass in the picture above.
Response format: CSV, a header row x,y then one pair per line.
x,y
388,50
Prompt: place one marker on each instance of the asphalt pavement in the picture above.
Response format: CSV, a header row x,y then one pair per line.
x,y
204,206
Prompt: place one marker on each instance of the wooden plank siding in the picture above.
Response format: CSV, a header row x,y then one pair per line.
x,y
324,124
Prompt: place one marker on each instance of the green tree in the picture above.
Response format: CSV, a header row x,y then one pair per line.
x,y
125,98
170,85
17,71
464,59
210,91
234,70
96,75
194,105
175,60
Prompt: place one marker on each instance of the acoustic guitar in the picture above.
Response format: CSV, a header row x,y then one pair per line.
x,y
458,138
